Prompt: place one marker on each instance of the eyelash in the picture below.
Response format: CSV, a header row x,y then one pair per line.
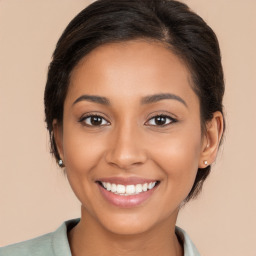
x,y
82,120
172,120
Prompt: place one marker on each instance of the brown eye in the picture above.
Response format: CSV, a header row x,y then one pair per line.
x,y
161,120
94,120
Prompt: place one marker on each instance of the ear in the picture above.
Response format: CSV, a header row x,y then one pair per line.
x,y
211,140
58,137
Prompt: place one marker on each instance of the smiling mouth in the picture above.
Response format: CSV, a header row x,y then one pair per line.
x,y
128,190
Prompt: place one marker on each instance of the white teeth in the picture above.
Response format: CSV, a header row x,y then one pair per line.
x,y
138,188
113,188
129,189
108,186
150,185
145,187
120,189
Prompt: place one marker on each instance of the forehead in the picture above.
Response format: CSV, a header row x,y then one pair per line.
x,y
130,69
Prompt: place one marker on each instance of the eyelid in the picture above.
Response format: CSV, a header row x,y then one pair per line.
x,y
151,116
87,115
173,120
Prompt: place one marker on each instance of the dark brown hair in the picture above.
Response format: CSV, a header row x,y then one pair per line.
x,y
167,21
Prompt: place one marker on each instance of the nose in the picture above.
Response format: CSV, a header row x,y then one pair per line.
x,y
126,148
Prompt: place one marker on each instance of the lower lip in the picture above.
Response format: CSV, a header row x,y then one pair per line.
x,y
126,201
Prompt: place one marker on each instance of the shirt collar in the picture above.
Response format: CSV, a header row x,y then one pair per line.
x,y
188,246
61,246
60,242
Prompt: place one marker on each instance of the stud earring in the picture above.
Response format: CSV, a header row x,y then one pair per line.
x,y
206,162
60,162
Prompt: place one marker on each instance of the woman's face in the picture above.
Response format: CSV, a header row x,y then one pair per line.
x,y
131,122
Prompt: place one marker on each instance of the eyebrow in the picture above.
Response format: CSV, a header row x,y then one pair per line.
x,y
145,100
93,98
162,96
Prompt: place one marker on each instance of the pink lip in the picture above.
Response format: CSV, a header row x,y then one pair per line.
x,y
126,181
126,201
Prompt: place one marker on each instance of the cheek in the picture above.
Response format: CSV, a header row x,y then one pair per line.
x,y
82,151
178,157
82,154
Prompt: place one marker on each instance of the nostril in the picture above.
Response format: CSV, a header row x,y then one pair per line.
x,y
125,160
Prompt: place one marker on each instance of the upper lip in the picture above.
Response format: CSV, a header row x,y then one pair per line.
x,y
126,180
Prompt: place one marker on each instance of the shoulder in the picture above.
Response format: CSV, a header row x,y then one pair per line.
x,y
188,246
37,246
50,244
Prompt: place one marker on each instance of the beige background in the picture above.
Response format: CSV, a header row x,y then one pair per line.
x,y
35,197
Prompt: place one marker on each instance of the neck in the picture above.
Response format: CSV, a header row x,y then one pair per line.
x,y
88,237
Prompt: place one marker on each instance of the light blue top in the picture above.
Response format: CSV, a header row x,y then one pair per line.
x,y
56,243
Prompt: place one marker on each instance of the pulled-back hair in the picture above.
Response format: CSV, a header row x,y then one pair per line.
x,y
167,21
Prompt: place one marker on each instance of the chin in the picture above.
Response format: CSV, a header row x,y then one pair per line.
x,y
131,226
133,221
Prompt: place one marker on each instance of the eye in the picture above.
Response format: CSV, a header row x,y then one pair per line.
x,y
94,120
161,120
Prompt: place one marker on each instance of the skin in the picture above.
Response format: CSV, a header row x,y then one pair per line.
x,y
129,143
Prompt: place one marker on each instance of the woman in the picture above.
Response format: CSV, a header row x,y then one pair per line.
x,y
133,105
